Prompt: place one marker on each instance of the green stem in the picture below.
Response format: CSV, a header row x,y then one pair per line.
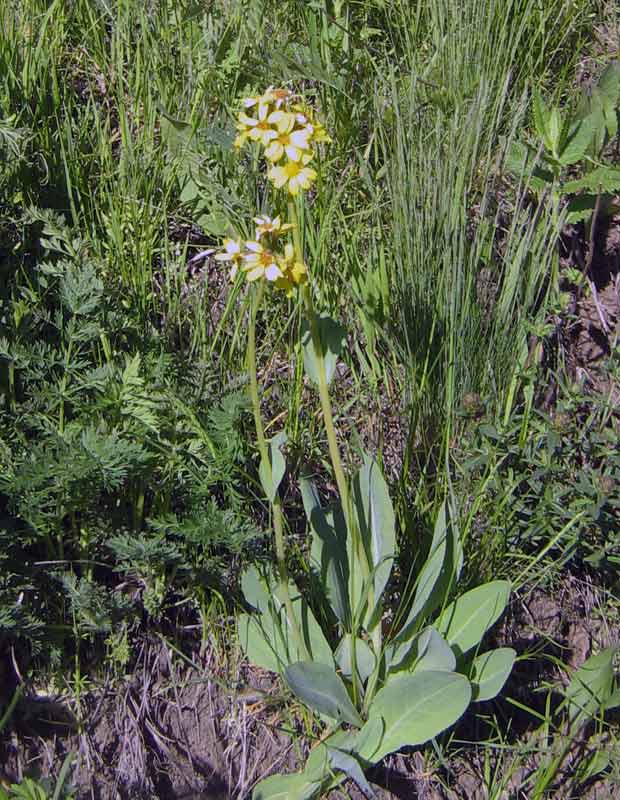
x,y
278,519
358,553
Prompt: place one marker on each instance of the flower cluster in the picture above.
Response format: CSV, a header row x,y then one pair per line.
x,y
262,258
288,131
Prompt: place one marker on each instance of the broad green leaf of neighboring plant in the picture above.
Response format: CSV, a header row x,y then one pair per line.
x,y
271,474
465,621
591,686
320,688
489,672
520,160
328,554
286,787
578,142
375,517
601,179
365,658
332,336
416,708
439,573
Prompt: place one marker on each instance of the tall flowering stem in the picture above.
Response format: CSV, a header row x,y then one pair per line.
x,y
276,507
358,552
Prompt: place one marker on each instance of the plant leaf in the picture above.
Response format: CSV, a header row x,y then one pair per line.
x,y
320,688
254,589
465,621
578,142
439,573
427,651
416,708
286,787
601,179
347,763
332,336
271,474
375,517
490,671
365,658
591,686
328,553
258,643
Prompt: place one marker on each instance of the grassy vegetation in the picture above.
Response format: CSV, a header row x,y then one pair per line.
x,y
130,496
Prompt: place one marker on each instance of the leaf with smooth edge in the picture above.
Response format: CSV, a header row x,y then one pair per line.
x,y
416,708
591,686
375,517
313,635
489,673
465,621
365,658
286,787
363,743
345,762
254,589
271,474
260,647
332,336
427,651
328,554
439,573
320,688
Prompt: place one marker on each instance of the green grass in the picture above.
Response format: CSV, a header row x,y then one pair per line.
x,y
121,356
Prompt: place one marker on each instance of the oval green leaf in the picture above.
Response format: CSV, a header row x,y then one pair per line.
x,y
286,787
465,621
416,708
320,688
489,673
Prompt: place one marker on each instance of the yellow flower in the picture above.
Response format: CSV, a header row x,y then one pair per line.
x,y
260,263
258,128
294,273
232,252
265,226
305,116
294,142
295,175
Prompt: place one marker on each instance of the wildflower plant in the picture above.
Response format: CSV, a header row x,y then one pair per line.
x,y
377,690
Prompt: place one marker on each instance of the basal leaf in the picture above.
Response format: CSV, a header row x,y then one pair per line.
x,y
328,554
333,337
489,673
465,621
320,688
416,708
286,787
375,517
260,642
271,474
350,766
439,573
365,658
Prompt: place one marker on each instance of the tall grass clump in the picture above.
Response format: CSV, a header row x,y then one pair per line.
x,y
467,255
